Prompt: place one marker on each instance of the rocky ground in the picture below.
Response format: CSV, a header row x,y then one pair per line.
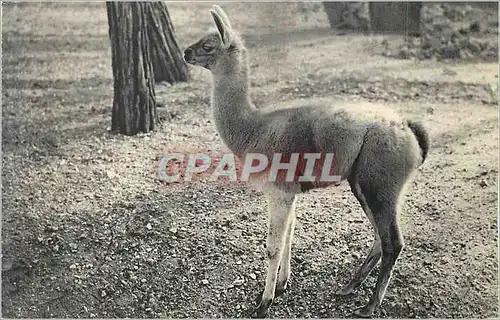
x,y
89,231
454,31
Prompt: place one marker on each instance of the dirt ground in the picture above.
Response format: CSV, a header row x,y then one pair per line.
x,y
88,230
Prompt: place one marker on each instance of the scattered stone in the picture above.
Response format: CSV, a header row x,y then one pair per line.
x,y
204,282
446,37
111,175
6,264
449,72
173,230
483,183
238,282
475,26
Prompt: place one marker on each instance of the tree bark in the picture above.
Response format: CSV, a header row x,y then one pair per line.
x,y
346,15
168,64
397,17
134,103
334,12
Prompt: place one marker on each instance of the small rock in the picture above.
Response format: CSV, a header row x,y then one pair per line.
x,y
148,226
430,110
111,175
451,53
252,276
204,282
404,53
7,265
483,183
52,228
475,26
173,230
238,282
449,72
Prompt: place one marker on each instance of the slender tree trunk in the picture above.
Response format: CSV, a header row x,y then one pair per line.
x,y
134,104
168,64
397,17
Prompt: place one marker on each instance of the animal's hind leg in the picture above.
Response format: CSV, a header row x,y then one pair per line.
x,y
376,251
383,205
392,244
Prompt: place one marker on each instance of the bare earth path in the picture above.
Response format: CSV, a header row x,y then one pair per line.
x,y
87,230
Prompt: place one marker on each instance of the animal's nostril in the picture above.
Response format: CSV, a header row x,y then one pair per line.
x,y
188,53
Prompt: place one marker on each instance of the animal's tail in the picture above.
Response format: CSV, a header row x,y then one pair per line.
x,y
422,137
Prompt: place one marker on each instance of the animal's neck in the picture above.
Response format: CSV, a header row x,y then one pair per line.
x,y
236,117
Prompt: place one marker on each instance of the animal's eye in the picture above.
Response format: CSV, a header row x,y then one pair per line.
x,y
207,47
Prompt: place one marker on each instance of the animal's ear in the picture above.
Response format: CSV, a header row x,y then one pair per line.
x,y
222,14
222,28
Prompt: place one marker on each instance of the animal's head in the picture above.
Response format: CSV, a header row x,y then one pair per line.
x,y
219,48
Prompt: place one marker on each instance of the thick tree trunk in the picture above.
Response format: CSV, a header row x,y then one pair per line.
x,y
134,104
347,15
168,64
397,17
334,11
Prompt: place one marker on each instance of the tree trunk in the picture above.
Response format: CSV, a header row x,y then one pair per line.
x,y
347,15
334,12
398,17
168,64
134,104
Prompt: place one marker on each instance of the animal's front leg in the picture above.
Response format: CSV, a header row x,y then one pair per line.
x,y
285,269
280,204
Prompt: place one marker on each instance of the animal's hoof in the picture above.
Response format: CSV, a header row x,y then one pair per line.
x,y
258,299
261,310
345,291
256,315
364,312
280,288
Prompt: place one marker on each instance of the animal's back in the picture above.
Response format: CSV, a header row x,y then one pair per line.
x,y
315,130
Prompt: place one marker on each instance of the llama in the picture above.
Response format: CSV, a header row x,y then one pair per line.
x,y
376,158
